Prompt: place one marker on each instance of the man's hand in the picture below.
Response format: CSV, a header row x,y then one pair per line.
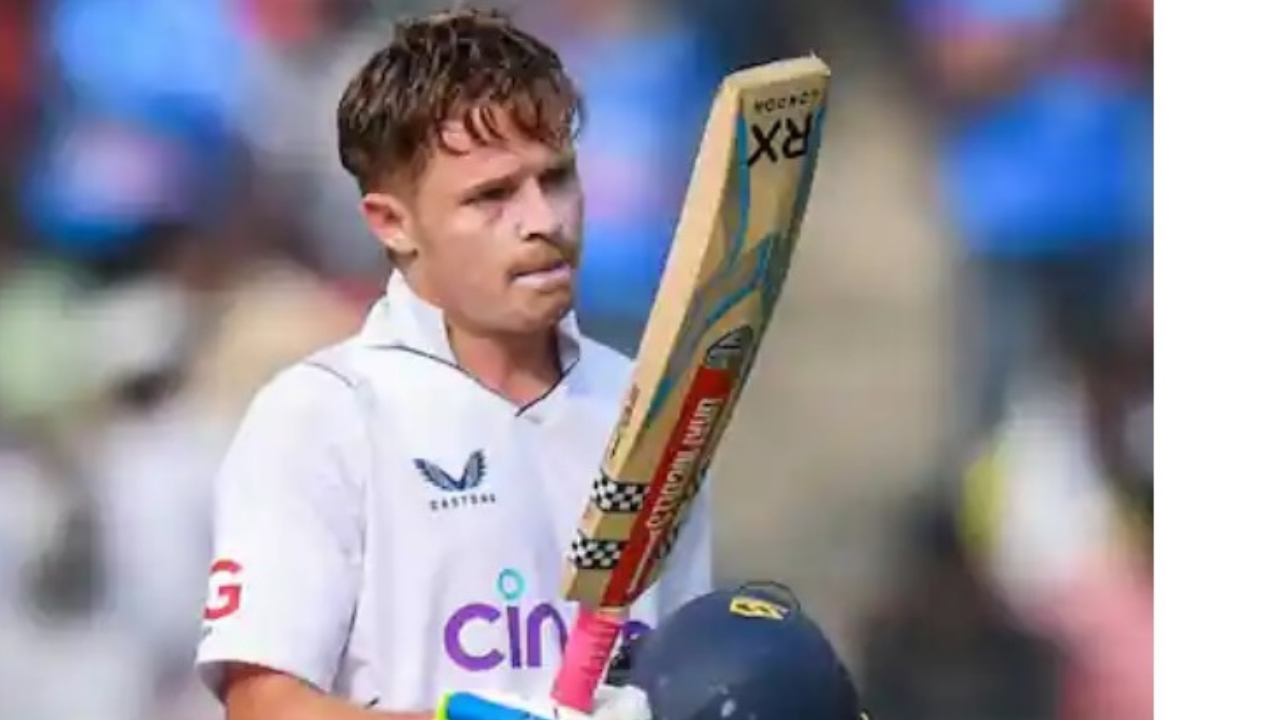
x,y
612,703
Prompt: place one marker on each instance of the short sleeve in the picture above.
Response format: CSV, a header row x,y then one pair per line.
x,y
287,532
689,569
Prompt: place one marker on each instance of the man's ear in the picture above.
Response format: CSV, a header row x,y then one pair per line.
x,y
389,219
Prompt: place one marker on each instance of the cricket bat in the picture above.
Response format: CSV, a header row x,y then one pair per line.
x,y
725,270
724,273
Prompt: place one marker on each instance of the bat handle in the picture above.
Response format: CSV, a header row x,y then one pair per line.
x,y
585,657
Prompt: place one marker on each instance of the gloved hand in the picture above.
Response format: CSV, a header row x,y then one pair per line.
x,y
612,703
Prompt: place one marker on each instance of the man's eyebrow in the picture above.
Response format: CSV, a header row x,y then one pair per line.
x,y
491,182
562,161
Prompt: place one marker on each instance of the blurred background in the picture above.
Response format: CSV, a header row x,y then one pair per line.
x,y
945,449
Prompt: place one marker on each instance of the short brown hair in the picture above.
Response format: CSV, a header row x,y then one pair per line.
x,y
458,65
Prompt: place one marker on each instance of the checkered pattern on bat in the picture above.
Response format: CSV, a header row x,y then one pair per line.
x,y
591,554
616,496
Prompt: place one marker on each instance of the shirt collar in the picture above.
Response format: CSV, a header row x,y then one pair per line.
x,y
401,318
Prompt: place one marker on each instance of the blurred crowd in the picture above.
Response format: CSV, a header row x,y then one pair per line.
x,y
175,227
1028,591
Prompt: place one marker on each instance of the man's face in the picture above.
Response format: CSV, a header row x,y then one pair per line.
x,y
496,228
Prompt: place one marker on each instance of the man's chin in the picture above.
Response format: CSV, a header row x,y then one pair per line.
x,y
553,313
544,311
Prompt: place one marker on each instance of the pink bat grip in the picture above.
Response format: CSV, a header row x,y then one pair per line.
x,y
585,657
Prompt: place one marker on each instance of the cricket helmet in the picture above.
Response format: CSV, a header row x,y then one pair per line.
x,y
745,652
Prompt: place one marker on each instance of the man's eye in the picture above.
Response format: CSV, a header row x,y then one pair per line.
x,y
490,195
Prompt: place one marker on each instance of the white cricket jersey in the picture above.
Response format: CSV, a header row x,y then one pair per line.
x,y
387,529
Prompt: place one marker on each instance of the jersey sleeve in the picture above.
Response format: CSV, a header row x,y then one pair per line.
x,y
287,532
689,569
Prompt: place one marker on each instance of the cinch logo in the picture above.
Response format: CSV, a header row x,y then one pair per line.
x,y
462,489
479,636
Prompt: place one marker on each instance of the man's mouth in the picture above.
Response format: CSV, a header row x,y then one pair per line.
x,y
546,275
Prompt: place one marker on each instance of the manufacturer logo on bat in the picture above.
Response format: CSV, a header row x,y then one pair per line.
x,y
782,139
684,459
802,99
729,351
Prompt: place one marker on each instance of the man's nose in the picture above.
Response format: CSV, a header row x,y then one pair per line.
x,y
537,214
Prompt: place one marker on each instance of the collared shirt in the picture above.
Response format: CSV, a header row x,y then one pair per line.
x,y
388,529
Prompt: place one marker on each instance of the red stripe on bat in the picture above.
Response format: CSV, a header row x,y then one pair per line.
x,y
680,463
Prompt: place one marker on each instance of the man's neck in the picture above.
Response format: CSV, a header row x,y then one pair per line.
x,y
520,368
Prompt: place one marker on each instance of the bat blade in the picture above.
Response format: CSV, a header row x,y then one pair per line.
x,y
730,256
732,250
